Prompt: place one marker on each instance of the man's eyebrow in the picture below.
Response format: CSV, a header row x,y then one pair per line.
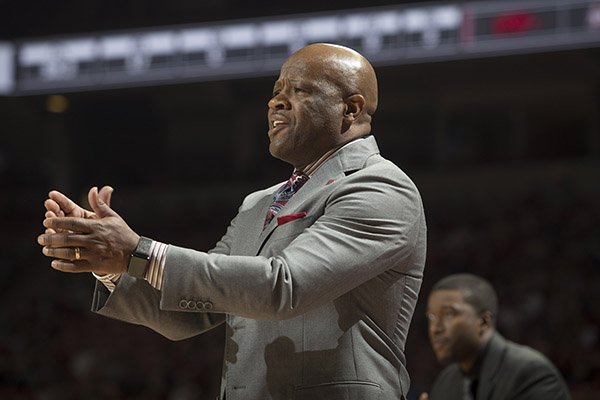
x,y
446,307
454,307
293,81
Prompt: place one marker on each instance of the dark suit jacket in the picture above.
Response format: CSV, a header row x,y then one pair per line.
x,y
508,372
316,305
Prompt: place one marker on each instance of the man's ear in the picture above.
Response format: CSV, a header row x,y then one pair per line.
x,y
354,107
486,322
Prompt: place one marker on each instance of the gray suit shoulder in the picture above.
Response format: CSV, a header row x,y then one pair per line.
x,y
535,377
379,168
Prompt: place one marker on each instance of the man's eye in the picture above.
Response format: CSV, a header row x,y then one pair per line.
x,y
298,90
449,314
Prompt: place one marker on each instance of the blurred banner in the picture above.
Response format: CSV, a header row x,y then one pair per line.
x,y
390,35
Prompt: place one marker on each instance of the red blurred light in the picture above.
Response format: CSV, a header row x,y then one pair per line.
x,y
518,22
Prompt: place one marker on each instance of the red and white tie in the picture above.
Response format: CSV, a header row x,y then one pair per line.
x,y
284,194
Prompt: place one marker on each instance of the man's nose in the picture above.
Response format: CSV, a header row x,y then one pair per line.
x,y
436,325
279,102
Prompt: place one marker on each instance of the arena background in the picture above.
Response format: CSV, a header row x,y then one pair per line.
x,y
505,150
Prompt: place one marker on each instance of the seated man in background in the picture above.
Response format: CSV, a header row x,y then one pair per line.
x,y
462,311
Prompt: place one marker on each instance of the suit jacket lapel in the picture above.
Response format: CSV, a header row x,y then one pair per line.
x,y
349,158
491,365
352,157
314,183
262,208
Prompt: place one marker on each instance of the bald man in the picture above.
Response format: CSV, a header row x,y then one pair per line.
x,y
316,278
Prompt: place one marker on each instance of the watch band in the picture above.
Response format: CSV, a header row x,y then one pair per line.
x,y
138,263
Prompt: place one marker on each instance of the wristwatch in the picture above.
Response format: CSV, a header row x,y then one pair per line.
x,y
138,263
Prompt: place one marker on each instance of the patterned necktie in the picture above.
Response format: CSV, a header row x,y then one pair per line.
x,y
284,194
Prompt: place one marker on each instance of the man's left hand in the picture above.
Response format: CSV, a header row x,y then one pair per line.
x,y
102,245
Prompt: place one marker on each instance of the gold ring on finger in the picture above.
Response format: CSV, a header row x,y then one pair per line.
x,y
77,253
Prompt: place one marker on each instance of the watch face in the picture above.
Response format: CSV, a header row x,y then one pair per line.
x,y
139,259
143,247
137,266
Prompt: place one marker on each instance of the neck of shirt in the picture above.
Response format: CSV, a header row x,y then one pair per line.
x,y
311,168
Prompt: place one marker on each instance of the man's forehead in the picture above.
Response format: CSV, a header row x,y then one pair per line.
x,y
293,79
314,73
446,298
299,66
307,76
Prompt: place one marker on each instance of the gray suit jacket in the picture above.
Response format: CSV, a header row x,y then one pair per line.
x,y
508,372
316,306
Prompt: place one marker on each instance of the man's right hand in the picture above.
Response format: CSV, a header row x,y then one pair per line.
x,y
85,241
424,396
59,205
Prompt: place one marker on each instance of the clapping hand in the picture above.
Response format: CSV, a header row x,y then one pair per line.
x,y
79,240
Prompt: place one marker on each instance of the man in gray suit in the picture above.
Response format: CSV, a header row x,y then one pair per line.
x,y
462,311
316,279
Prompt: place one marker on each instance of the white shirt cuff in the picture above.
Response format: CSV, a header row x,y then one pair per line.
x,y
154,273
108,280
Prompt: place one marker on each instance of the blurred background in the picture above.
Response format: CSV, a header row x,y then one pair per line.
x,y
492,107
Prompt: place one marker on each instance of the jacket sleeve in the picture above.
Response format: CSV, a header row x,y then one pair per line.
x,y
371,223
135,301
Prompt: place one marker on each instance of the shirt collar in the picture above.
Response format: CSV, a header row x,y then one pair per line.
x,y
311,168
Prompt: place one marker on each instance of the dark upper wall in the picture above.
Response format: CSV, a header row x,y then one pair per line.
x,y
20,19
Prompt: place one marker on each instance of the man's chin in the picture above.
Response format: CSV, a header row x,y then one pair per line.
x,y
443,358
278,152
275,150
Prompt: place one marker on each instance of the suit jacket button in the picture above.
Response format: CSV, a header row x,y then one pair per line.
x,y
191,305
208,306
183,304
200,305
